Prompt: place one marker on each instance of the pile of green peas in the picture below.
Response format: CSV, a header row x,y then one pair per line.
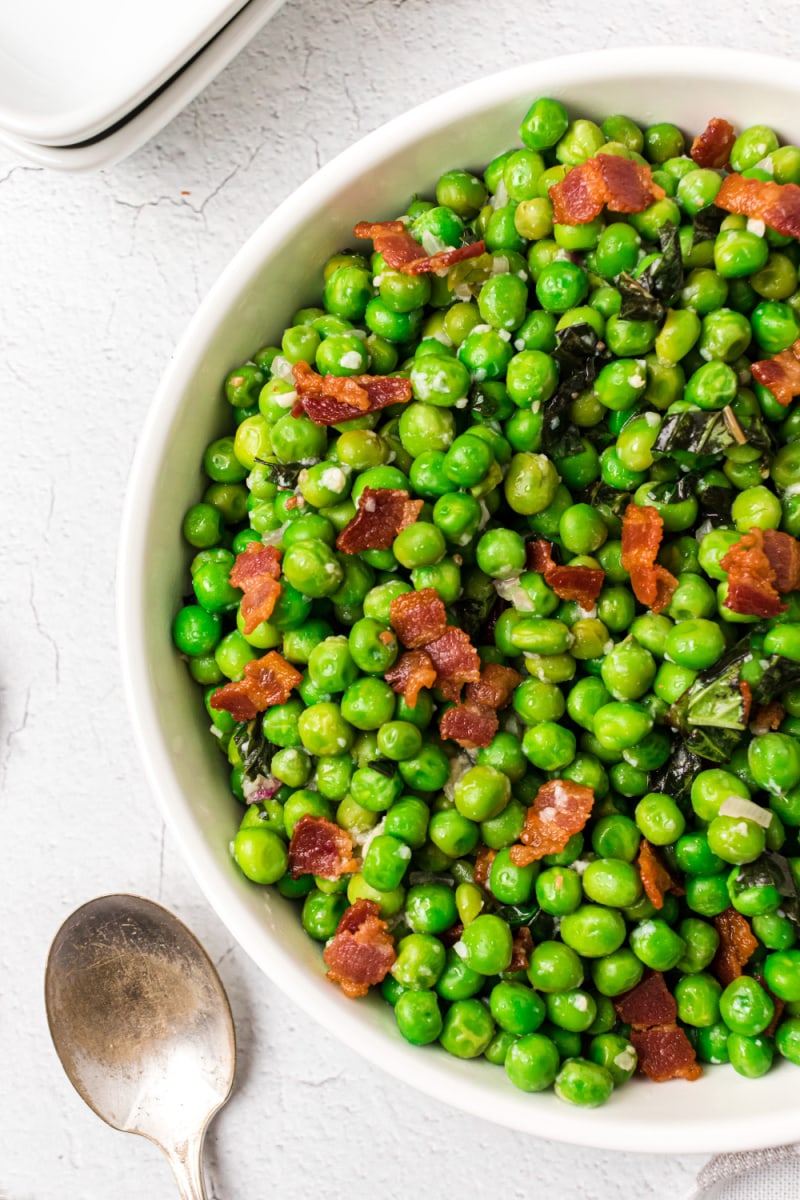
x,y
478,345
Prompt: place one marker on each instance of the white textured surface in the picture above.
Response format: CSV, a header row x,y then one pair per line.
x,y
98,277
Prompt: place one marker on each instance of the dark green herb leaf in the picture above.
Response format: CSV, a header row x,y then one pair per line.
x,y
470,614
675,777
283,475
706,224
482,403
646,297
779,674
255,749
771,870
698,432
579,355
638,303
715,500
716,744
383,766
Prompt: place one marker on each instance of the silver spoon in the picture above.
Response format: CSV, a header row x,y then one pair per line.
x,y
142,1026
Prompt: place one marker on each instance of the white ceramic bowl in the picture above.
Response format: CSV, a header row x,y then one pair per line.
x,y
275,272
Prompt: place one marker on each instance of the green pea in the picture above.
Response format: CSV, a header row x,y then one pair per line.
x,y
592,931
583,1083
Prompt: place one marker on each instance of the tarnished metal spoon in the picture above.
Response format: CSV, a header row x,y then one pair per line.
x,y
142,1026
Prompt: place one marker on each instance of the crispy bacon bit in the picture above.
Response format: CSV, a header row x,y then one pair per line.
x,y
452,935
381,514
736,945
361,952
777,1002
331,399
455,659
656,879
471,725
413,672
483,865
418,617
392,240
256,572
665,1053
768,717
346,388
561,809
647,1004
521,949
495,687
582,584
443,259
605,180
267,681
783,552
642,530
747,696
318,847
781,373
712,147
776,204
751,577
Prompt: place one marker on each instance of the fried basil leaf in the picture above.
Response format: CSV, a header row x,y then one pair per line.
x,y
254,748
579,356
779,674
283,475
697,432
711,713
706,224
646,297
675,777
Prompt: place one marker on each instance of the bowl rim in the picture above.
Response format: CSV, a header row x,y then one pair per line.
x,y
562,1123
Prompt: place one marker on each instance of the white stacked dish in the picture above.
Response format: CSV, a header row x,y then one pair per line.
x,y
106,79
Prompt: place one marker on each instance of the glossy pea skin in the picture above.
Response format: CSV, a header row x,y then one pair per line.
x,y
750,1056
612,882
468,1029
532,1062
593,931
418,1017
583,1083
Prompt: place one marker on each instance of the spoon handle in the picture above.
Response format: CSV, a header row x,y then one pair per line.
x,y
186,1162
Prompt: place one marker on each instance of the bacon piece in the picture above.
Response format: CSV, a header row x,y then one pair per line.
x,y
605,180
418,617
642,530
746,693
736,945
256,571
665,1053
267,681
483,865
318,847
712,147
470,725
561,809
777,1002
443,259
656,879
413,672
455,659
361,952
582,584
331,399
495,687
381,514
781,373
776,204
521,949
783,552
751,577
392,240
452,935
647,1004
767,717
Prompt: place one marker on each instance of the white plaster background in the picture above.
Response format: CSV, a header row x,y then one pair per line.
x,y
98,277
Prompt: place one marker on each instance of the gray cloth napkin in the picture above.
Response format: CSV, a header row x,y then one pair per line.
x,y
751,1175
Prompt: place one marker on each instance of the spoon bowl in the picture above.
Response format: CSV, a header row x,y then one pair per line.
x,y
142,1025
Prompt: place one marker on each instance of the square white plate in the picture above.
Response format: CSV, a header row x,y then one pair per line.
x,y
69,70
129,135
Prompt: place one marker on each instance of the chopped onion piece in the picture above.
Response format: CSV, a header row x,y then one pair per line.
x,y
737,806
